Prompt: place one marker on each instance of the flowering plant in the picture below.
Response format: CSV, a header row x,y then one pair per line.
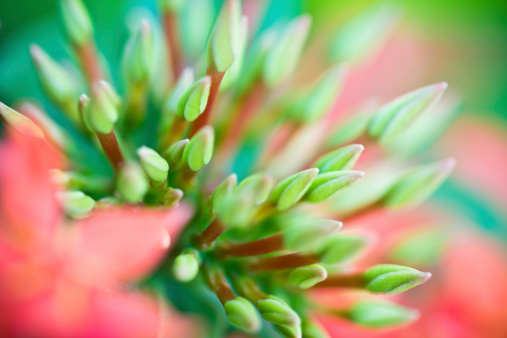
x,y
79,249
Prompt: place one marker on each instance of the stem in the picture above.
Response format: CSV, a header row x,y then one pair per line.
x,y
218,284
87,54
344,281
177,129
111,148
170,26
288,261
260,247
202,120
247,288
206,238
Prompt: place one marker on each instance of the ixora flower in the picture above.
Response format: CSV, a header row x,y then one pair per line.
x,y
256,244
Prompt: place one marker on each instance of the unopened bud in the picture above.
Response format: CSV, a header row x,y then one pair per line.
x,y
199,150
307,276
258,186
193,102
132,184
102,110
343,158
326,185
18,122
289,191
380,314
154,166
242,314
340,248
76,22
276,311
76,203
388,278
186,266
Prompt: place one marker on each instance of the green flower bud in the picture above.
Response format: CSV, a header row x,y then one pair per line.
x,y
343,158
171,198
186,266
138,55
185,80
289,191
199,150
288,331
418,184
340,248
388,278
326,185
76,203
321,97
234,71
193,102
18,122
219,195
276,311
398,114
283,57
352,128
154,166
305,234
51,130
171,5
102,111
225,37
76,22
380,314
307,276
55,80
242,314
364,34
174,154
258,186
132,184
311,330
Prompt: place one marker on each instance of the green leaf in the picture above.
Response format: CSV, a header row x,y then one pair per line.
x,y
289,191
326,185
397,115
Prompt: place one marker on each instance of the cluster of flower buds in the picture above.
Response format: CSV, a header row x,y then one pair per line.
x,y
174,135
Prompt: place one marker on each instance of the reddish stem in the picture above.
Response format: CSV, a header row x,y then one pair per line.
x,y
111,148
170,26
202,120
288,261
209,235
219,285
260,247
350,281
87,54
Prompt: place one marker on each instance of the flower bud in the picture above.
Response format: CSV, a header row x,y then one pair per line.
x,y
225,188
242,314
288,331
50,129
276,311
311,330
396,115
171,5
380,314
235,70
283,57
418,184
199,150
154,166
76,22
258,186
321,97
326,185
186,266
18,122
55,80
304,235
289,191
102,110
138,55
307,276
76,203
343,158
132,184
388,278
193,102
174,154
340,248
225,37
171,198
